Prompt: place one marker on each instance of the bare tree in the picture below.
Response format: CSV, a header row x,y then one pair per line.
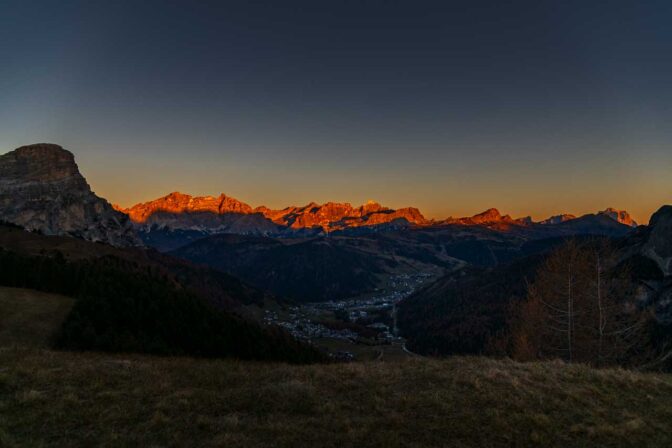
x,y
577,309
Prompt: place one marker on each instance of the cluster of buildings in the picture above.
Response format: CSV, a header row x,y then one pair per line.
x,y
302,321
305,328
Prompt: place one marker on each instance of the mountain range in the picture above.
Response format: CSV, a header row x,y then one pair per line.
x,y
314,252
216,214
41,189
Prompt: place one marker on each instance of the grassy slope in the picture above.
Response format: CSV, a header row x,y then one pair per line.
x,y
52,398
56,399
30,318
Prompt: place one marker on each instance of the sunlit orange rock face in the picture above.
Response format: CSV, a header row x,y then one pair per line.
x,y
332,215
184,203
620,216
490,217
329,216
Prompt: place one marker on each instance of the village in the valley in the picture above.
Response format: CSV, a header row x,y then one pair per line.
x,y
358,328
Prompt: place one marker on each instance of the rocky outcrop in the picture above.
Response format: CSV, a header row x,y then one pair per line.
x,y
558,219
204,214
41,189
655,241
647,255
620,216
177,203
490,217
338,216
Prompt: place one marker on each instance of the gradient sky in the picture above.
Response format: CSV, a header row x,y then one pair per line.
x,y
535,107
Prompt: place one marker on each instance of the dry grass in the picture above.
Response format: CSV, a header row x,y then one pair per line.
x,y
52,398
66,399
30,318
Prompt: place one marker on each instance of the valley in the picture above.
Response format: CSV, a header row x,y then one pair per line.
x,y
355,329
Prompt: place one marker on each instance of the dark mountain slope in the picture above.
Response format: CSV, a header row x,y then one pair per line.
x,y
342,266
154,304
218,288
462,311
649,250
599,224
307,270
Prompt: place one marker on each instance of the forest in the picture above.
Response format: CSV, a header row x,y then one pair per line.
x,y
122,306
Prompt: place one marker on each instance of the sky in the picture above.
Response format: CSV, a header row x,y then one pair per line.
x,y
535,108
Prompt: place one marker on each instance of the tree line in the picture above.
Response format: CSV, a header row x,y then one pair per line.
x,y
122,306
579,302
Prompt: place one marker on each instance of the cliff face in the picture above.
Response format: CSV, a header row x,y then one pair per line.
x,y
620,216
655,241
337,216
491,217
176,203
42,189
182,211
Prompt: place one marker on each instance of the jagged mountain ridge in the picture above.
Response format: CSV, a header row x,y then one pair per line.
x,y
619,216
217,215
476,300
214,212
557,219
41,189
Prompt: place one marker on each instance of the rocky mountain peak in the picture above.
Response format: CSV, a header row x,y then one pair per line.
x,y
558,219
42,162
176,196
490,218
371,207
526,220
662,217
491,214
177,203
619,216
658,244
41,189
228,204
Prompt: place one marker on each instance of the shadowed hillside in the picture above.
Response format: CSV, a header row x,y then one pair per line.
x,y
31,318
129,301
312,270
464,312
